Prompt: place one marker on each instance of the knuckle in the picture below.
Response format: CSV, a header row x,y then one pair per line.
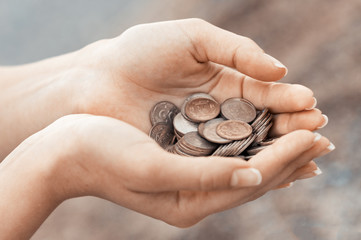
x,y
197,21
250,43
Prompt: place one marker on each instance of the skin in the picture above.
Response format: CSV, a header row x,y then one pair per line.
x,y
100,97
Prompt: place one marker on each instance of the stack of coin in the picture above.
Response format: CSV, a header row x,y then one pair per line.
x,y
204,127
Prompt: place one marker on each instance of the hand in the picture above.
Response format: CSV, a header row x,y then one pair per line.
x,y
125,76
82,155
170,60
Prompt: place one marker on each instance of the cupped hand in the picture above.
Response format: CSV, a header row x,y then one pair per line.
x,y
110,159
127,75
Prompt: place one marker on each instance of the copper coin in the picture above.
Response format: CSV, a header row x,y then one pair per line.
x,y
263,132
238,109
195,140
268,141
182,125
201,129
202,108
260,117
162,133
163,112
234,129
209,132
265,121
245,145
255,150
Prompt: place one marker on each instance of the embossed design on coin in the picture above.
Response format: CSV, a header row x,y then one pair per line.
x,y
238,109
163,134
234,129
163,112
201,108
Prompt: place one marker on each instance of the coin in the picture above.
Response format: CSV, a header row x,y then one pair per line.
x,y
163,134
245,145
200,108
188,132
183,126
263,132
195,140
233,129
238,109
208,131
260,116
194,145
268,141
163,112
255,150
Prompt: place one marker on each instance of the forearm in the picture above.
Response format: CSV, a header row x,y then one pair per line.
x,y
27,197
32,96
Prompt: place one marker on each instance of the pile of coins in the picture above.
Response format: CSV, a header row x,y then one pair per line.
x,y
203,127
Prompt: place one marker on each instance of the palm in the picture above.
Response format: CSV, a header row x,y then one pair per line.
x,y
162,69
168,61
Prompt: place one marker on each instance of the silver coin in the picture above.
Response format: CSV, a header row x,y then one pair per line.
x,y
183,126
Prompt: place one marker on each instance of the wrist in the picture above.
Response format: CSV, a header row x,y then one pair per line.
x,y
32,96
28,190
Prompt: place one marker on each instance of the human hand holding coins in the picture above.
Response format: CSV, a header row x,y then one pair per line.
x,y
197,165
166,63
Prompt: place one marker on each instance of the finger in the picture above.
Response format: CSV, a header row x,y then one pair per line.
x,y
223,47
295,148
274,159
271,162
309,170
288,122
284,185
320,147
170,172
278,97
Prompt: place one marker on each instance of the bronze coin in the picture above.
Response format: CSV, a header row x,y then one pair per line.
x,y
263,132
163,134
263,122
238,109
202,108
195,140
234,129
183,126
268,141
163,112
255,150
201,129
209,131
259,118
246,144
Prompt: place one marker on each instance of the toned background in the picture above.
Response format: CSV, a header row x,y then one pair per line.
x,y
319,41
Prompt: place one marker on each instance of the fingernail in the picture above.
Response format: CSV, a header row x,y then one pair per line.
x,y
324,122
311,174
331,147
314,104
277,63
246,177
317,137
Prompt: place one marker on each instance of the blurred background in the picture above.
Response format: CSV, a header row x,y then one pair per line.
x,y
319,42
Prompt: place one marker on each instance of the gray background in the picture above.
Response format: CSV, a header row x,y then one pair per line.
x,y
319,41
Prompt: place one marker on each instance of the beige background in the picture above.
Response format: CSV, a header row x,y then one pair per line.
x,y
319,41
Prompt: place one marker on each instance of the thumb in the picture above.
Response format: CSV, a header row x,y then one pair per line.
x,y
223,47
170,172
